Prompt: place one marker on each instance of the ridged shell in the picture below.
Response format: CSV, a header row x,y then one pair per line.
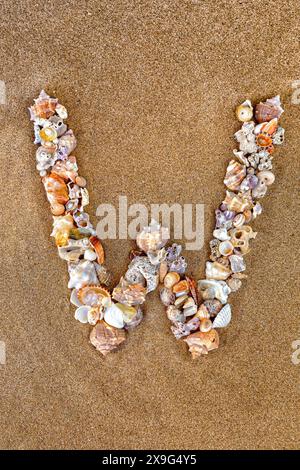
x,y
44,106
235,174
56,189
193,289
97,245
216,271
94,295
201,343
81,274
129,294
223,318
106,338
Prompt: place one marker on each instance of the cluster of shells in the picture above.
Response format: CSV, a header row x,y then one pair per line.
x,y
247,180
110,313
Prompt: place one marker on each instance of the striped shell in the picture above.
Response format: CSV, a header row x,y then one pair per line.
x,y
235,174
223,318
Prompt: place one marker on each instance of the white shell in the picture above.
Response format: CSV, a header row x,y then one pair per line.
x,y
214,289
114,316
90,255
74,299
223,318
216,271
81,314
82,274
221,234
226,248
237,263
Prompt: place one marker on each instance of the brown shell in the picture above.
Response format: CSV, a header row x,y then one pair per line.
x,y
56,189
96,243
61,169
129,294
200,343
106,338
265,112
93,295
44,108
235,174
193,289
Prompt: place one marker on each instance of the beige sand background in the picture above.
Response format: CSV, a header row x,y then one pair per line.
x,y
151,88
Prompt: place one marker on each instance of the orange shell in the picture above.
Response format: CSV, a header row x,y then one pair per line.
x,y
270,127
56,189
92,295
181,287
98,248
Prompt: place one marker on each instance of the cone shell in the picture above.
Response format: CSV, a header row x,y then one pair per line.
x,y
223,318
93,295
235,174
106,338
97,245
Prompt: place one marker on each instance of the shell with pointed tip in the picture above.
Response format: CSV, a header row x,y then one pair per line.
x,y
152,238
268,110
81,274
235,174
106,338
212,289
237,203
223,318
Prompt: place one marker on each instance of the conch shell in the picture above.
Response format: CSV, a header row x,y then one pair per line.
x,y
268,110
235,174
56,189
106,338
152,238
200,343
217,271
81,274
129,294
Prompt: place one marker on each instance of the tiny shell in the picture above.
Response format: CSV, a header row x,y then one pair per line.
x,y
80,181
216,271
189,302
244,112
81,314
181,288
180,300
103,275
235,174
166,296
205,325
106,338
129,313
226,248
135,321
48,134
174,314
94,295
163,270
61,111
260,190
189,311
57,209
213,306
234,284
152,238
66,169
97,245
67,143
201,343
74,298
202,312
223,318
113,316
94,315
193,289
267,177
171,279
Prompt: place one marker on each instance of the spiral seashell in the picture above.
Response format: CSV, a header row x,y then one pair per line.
x,y
238,221
235,174
129,294
268,110
260,190
152,238
67,143
221,234
200,343
62,226
213,289
81,274
223,318
135,321
267,177
244,112
103,275
174,314
216,271
202,312
213,306
44,106
166,296
106,338
73,250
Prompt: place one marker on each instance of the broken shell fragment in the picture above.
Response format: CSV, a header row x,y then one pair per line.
x,y
166,296
237,263
181,288
106,338
221,234
174,314
205,325
223,318
244,112
213,289
216,271
213,306
97,245
200,343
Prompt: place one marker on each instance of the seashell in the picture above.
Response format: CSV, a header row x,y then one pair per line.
x,y
81,274
223,318
257,210
62,225
193,324
246,138
97,245
181,288
221,234
113,316
57,209
66,144
156,257
226,248
66,169
45,157
241,157
249,182
129,313
189,302
267,128
202,312
129,294
74,298
234,284
180,300
171,279
238,221
278,136
268,110
173,252
200,343
73,250
82,219
267,177
237,263
94,315
193,289
260,190
247,215
216,271
56,189
213,306
58,125
189,311
94,296
72,205
213,289
136,320
140,270
103,275
80,181
61,111
174,314
106,338
264,140
235,174
152,238
239,276
44,106
205,325
81,314
214,249
244,112
163,270
48,134
240,238
236,203
85,200
180,329
179,265
166,296
224,218
90,255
